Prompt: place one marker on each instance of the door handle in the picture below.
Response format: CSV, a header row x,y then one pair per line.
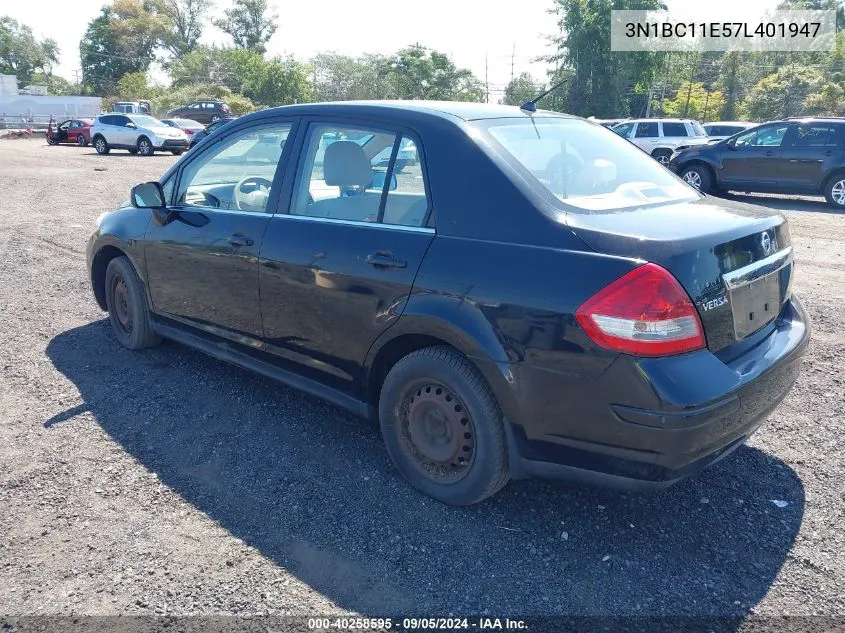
x,y
385,259
238,240
769,153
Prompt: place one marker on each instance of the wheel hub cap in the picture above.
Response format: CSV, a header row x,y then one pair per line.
x,y
438,432
693,178
838,193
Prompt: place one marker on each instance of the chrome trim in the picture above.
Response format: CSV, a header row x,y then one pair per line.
x,y
751,272
372,225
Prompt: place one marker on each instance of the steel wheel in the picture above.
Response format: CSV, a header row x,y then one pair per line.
x,y
837,192
693,178
436,432
122,308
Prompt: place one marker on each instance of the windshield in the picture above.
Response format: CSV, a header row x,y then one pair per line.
x,y
142,120
585,166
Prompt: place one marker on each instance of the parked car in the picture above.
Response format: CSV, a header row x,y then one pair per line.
x,y
718,130
132,107
201,134
137,133
77,131
660,137
805,156
205,111
607,122
189,127
534,297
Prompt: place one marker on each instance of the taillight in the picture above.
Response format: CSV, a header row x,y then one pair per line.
x,y
645,312
189,131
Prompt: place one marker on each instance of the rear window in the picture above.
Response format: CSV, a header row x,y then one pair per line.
x,y
697,128
586,167
723,130
674,129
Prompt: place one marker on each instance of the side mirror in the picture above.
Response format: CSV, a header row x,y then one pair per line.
x,y
147,195
379,178
731,143
132,125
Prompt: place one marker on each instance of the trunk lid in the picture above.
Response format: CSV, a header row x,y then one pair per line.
x,y
734,260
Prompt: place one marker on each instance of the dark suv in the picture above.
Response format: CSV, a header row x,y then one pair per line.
x,y
205,111
507,293
795,156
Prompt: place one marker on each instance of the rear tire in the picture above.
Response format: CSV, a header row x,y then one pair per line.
x,y
80,140
662,156
698,176
145,147
101,146
127,306
834,190
442,427
177,152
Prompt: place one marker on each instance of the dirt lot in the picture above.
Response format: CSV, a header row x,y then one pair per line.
x,y
168,482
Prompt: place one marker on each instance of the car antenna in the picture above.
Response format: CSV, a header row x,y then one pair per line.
x,y
531,106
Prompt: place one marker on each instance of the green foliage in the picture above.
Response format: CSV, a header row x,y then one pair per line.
x,y
342,78
693,101
120,40
604,83
133,86
417,72
55,85
248,24
828,101
520,89
782,93
183,24
21,54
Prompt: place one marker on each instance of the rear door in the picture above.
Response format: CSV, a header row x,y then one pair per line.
x,y
202,256
339,259
647,135
755,159
805,151
674,133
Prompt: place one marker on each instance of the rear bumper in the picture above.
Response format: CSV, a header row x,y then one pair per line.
x,y
648,423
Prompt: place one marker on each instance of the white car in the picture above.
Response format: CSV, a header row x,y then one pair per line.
x,y
137,133
660,137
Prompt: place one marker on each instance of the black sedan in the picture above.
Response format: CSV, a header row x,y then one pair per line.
x,y
794,156
208,129
533,296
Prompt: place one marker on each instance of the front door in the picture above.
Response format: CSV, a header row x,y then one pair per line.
x,y
337,269
804,153
755,159
202,257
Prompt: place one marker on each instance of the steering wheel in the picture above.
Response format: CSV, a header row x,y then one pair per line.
x,y
258,184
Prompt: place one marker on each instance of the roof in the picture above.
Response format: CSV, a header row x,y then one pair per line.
x,y
454,109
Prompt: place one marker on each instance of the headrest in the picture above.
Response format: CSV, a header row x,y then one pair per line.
x,y
346,164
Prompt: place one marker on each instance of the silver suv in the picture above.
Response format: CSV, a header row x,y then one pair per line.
x,y
138,133
660,137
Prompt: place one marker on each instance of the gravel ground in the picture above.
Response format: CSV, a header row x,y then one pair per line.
x,y
166,482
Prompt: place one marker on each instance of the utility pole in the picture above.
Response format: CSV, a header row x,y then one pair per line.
x,y
513,54
486,81
648,103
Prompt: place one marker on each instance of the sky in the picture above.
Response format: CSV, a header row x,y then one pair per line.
x,y
483,35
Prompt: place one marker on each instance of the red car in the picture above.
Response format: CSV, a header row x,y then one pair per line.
x,y
71,131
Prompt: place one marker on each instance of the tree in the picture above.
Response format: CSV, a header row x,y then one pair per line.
x,y
342,78
604,83
183,24
55,85
417,72
521,89
170,99
21,54
694,101
247,24
120,40
783,93
134,86
828,101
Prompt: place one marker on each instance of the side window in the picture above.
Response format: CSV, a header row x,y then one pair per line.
x,y
406,203
168,191
771,136
237,172
837,139
623,129
812,135
343,173
647,130
674,129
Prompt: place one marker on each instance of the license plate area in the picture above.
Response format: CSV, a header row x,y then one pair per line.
x,y
755,304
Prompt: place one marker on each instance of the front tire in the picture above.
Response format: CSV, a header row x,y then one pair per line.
x,y
442,427
834,191
698,177
177,152
145,146
101,146
127,306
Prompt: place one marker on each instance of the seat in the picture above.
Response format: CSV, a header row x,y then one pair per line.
x,y
345,165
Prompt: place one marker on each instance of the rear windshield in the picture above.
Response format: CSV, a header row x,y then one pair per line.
x,y
585,166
